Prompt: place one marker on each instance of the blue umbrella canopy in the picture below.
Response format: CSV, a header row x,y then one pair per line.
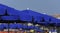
x,y
10,11
57,23
54,21
5,26
30,27
2,8
28,14
31,13
1,26
13,26
35,27
25,16
19,26
24,27
9,17
39,30
2,12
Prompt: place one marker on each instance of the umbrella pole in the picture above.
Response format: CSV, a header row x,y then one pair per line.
x,y
8,26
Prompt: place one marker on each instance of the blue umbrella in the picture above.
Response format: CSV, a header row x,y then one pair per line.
x,y
13,26
12,11
24,27
39,30
9,17
54,21
5,26
30,27
26,15
2,12
19,26
35,27
1,26
58,23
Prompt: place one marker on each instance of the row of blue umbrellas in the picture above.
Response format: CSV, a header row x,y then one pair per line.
x,y
36,19
18,26
27,15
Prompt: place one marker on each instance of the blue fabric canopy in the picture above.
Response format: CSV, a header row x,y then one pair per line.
x,y
13,26
27,15
25,27
39,30
1,26
35,27
19,26
9,17
31,27
10,11
5,26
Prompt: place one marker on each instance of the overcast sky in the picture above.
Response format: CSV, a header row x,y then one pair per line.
x,y
42,6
